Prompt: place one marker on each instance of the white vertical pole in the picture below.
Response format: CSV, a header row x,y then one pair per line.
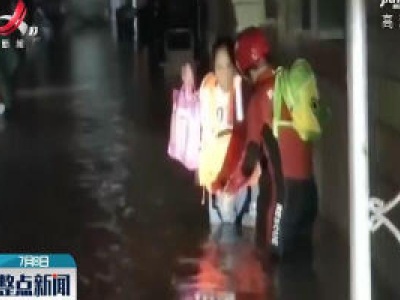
x,y
360,244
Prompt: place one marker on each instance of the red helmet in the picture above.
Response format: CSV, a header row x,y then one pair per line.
x,y
251,46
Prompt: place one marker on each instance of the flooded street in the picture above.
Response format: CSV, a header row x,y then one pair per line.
x,y
84,170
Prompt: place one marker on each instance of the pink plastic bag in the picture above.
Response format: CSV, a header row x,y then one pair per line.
x,y
184,143
192,149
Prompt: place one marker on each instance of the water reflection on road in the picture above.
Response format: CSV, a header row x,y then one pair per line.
x,y
229,267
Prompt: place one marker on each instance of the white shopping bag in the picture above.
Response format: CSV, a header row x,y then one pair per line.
x,y
224,208
249,210
221,209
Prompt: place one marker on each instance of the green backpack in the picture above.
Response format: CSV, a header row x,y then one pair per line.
x,y
297,89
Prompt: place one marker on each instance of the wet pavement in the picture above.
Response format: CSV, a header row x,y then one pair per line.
x,y
84,170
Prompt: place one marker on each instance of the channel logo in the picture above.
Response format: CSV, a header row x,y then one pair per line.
x,y
16,22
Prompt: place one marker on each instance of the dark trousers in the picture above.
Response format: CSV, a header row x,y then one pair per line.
x,y
300,208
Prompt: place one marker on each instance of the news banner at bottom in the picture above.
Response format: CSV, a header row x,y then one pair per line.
x,y
38,276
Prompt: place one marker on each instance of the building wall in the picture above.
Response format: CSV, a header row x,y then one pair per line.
x,y
331,14
384,95
249,13
90,9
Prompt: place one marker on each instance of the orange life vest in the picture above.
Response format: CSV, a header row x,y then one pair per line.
x,y
222,142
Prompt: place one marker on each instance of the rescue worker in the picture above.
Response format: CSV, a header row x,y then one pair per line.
x,y
291,209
